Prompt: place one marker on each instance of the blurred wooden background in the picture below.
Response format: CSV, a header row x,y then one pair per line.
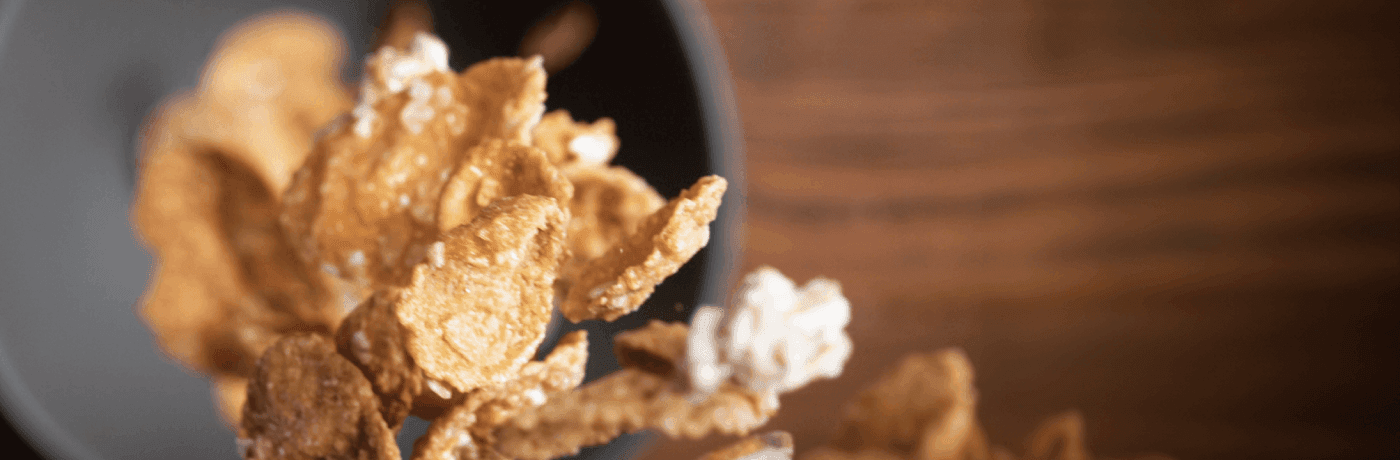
x,y
1180,217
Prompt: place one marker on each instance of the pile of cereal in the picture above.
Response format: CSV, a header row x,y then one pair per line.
x,y
336,262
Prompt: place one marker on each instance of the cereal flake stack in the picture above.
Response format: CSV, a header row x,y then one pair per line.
x,y
336,264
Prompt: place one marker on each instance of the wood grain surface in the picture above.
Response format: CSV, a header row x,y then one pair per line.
x,y
1180,217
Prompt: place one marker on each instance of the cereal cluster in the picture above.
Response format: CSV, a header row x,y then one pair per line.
x,y
775,339
337,265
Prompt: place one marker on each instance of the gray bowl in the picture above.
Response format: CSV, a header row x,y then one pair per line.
x,y
80,376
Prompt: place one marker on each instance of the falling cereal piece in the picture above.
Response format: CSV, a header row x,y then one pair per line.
x,y
627,401
576,144
561,37
537,381
498,169
372,186
608,205
773,445
271,83
476,320
928,401
214,164
506,97
226,284
466,431
618,282
307,402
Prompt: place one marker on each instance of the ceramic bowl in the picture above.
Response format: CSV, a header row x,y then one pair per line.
x,y
80,375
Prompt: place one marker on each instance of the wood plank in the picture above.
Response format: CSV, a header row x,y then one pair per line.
x,y
1181,217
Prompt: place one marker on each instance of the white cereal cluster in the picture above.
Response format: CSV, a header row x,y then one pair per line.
x,y
396,72
418,110
775,338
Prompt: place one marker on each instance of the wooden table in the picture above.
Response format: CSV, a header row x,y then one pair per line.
x,y
1179,217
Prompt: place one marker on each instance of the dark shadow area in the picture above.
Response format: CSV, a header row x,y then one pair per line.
x,y
13,445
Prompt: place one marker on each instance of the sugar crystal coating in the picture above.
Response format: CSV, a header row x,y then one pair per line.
x,y
474,321
374,188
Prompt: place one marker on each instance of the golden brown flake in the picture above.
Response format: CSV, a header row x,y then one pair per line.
x,y
773,445
307,402
926,407
465,431
474,319
497,169
372,339
575,144
225,285
508,97
608,205
214,163
364,205
626,401
618,282
270,84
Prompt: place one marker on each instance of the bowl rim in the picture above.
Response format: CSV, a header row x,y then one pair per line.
x,y
724,138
